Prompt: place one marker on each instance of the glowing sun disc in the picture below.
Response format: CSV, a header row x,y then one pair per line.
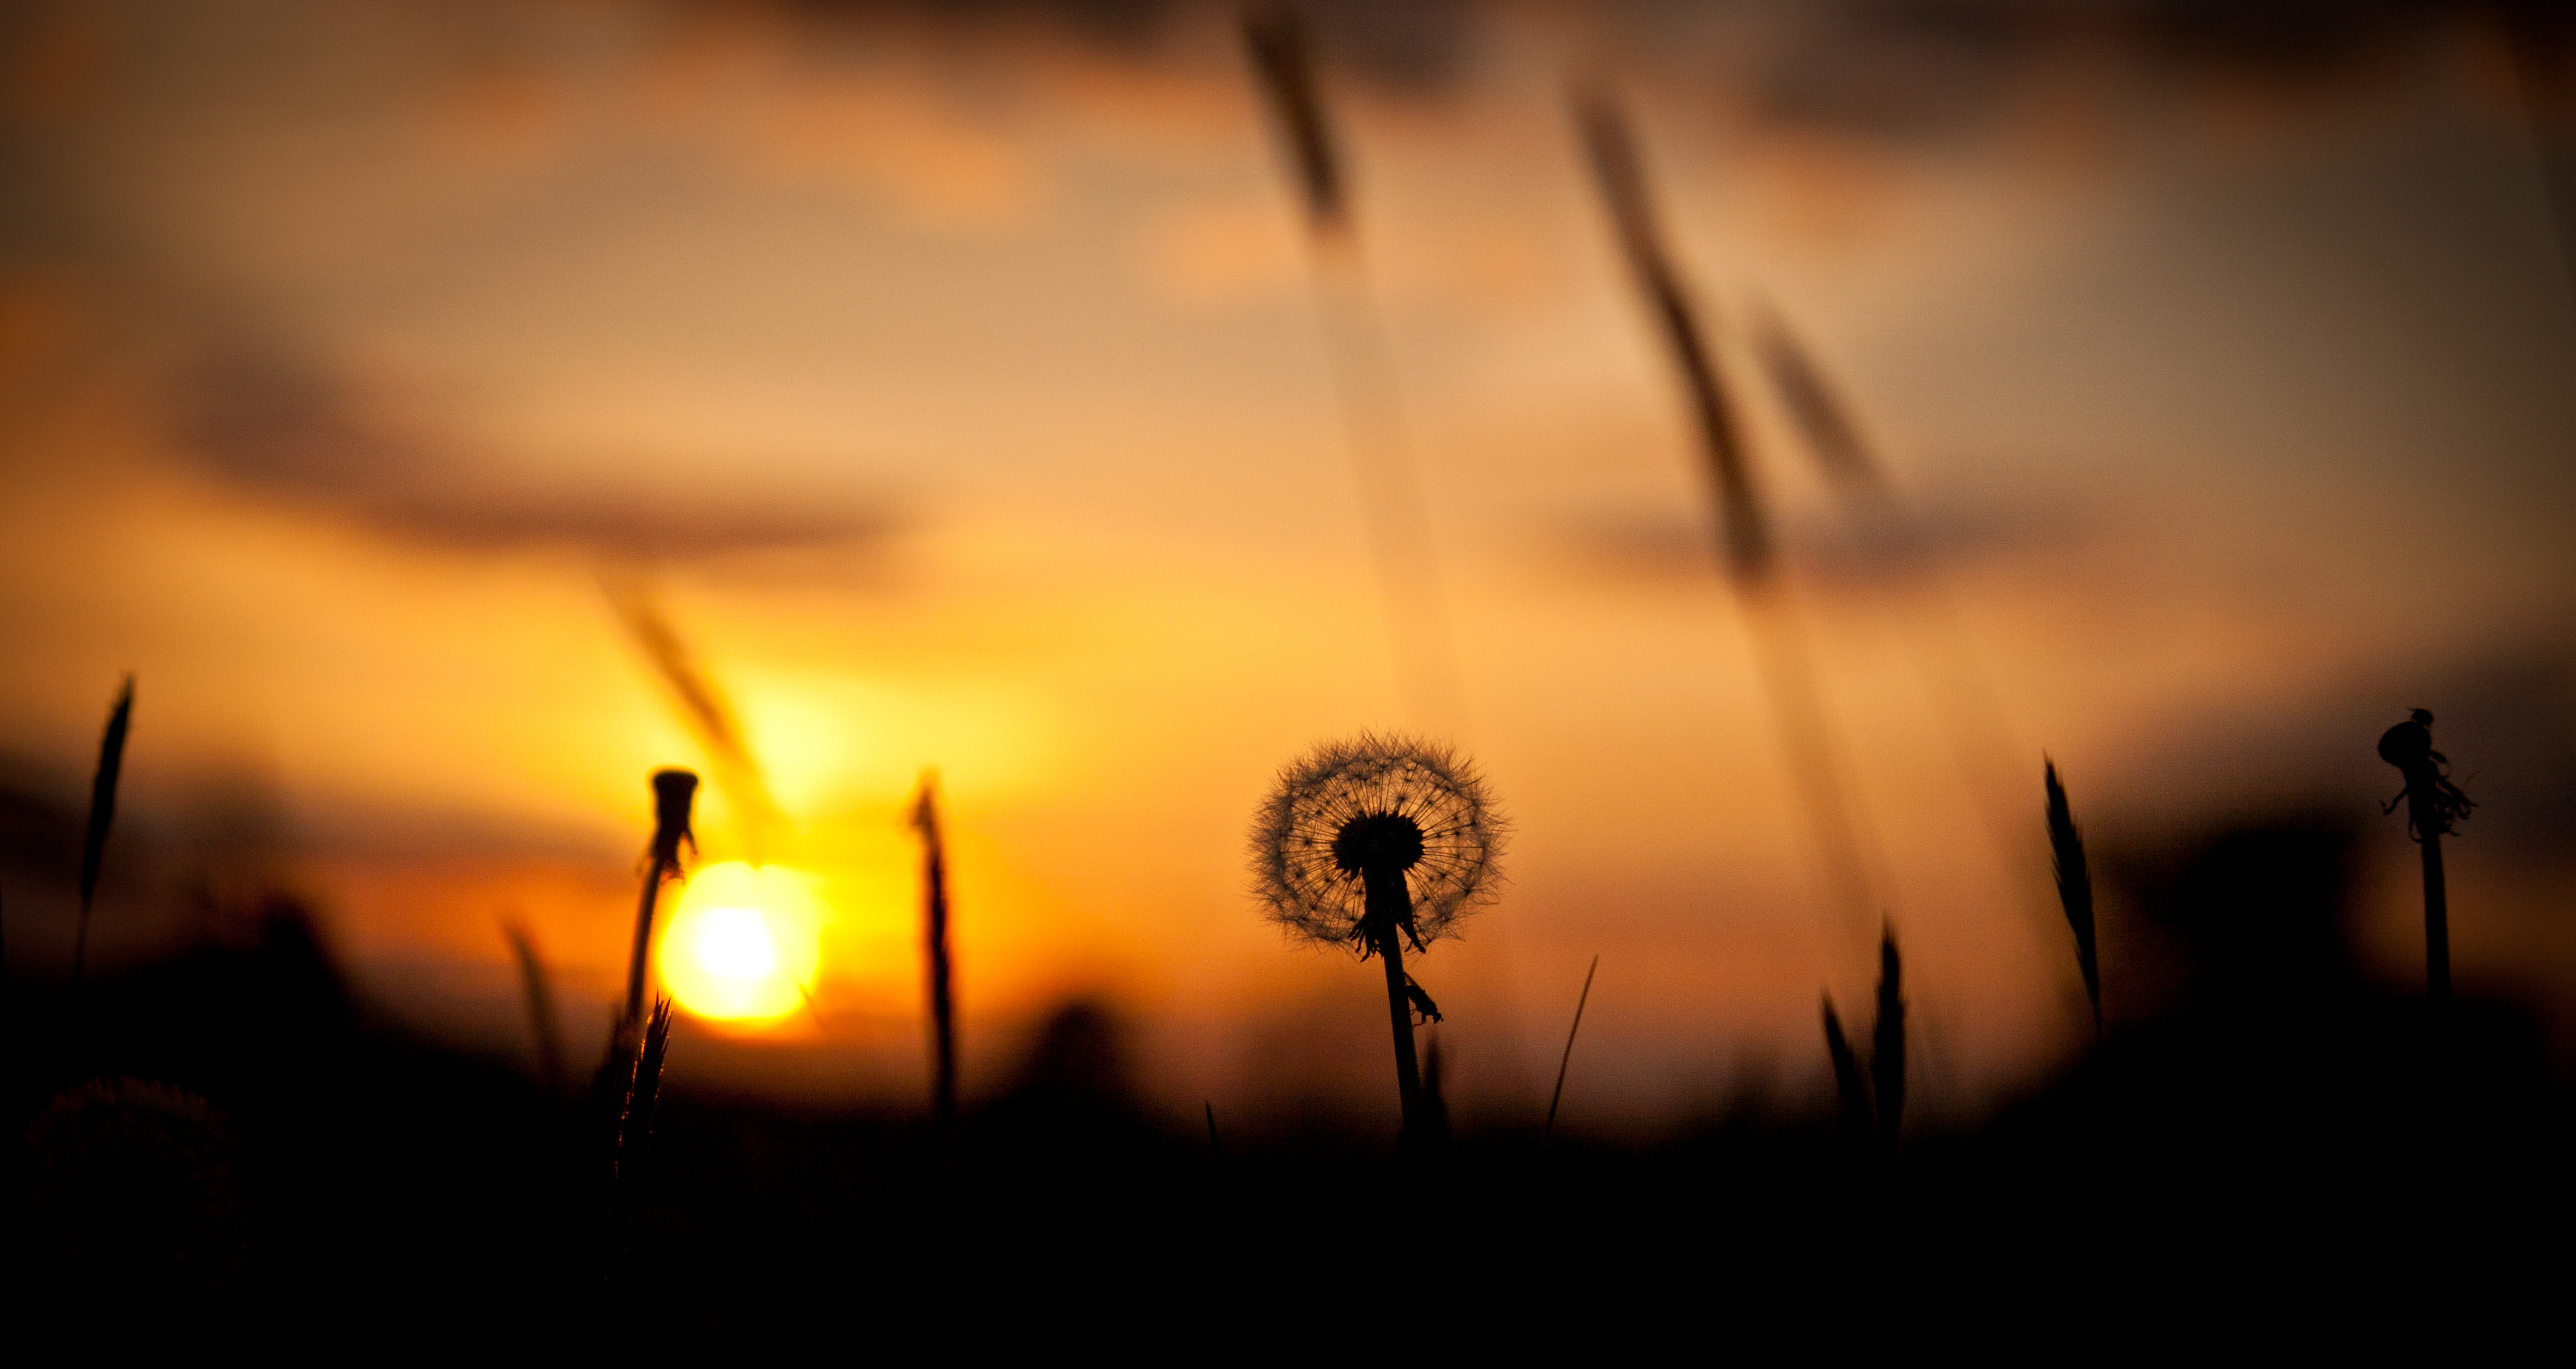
x,y
742,943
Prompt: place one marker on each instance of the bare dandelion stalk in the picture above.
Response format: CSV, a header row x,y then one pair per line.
x,y
1391,501
2433,804
674,796
2074,886
934,917
1752,563
102,814
1370,844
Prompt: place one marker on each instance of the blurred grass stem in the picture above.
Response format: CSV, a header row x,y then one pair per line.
x,y
1548,1133
102,815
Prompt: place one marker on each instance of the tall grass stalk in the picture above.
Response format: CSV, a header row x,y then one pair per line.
x,y
1751,554
1936,636
1548,1133
102,814
635,1117
1887,1045
934,920
2074,886
1851,1082
538,990
709,715
1392,505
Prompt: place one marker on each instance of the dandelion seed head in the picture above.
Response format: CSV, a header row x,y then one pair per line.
x,y
1391,803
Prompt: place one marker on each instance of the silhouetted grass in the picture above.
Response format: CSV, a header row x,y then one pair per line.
x,y
635,1118
934,932
539,993
1751,552
102,813
1887,1045
1557,1095
2074,885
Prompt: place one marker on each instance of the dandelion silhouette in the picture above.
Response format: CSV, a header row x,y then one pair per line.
x,y
1371,843
2433,804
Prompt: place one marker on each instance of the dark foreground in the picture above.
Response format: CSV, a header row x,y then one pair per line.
x,y
2323,1165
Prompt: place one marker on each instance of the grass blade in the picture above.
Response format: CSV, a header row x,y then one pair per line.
x,y
102,813
539,992
934,918
1849,1085
1887,1044
1549,1132
2074,886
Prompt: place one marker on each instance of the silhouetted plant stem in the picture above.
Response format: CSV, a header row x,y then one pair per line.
x,y
934,898
102,813
1547,1134
1392,505
1215,1152
1389,906
635,1118
2433,804
2074,886
674,797
1851,1087
539,993
1781,655
1887,1045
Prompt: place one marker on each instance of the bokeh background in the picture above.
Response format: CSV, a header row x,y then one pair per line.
x,y
949,379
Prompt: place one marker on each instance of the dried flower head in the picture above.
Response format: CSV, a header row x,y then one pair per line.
x,y
1393,805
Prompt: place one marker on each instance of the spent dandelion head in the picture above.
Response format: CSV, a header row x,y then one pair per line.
x,y
1395,812
2433,802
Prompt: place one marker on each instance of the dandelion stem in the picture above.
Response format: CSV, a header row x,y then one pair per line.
x,y
2433,804
1389,905
2437,923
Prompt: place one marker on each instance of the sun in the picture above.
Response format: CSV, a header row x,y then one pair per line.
x,y
743,943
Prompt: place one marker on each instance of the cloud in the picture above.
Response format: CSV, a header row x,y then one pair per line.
x,y
285,430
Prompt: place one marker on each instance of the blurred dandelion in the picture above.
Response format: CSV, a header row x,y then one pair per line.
x,y
1373,842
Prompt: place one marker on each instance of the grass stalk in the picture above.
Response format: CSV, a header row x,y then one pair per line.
x,y
1851,1085
934,917
1887,1045
635,1117
1548,1133
538,990
1392,507
1750,550
2074,886
102,814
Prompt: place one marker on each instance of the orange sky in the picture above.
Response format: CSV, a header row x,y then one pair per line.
x,y
959,391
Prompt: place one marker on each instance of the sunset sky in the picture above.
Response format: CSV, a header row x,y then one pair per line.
x,y
955,389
